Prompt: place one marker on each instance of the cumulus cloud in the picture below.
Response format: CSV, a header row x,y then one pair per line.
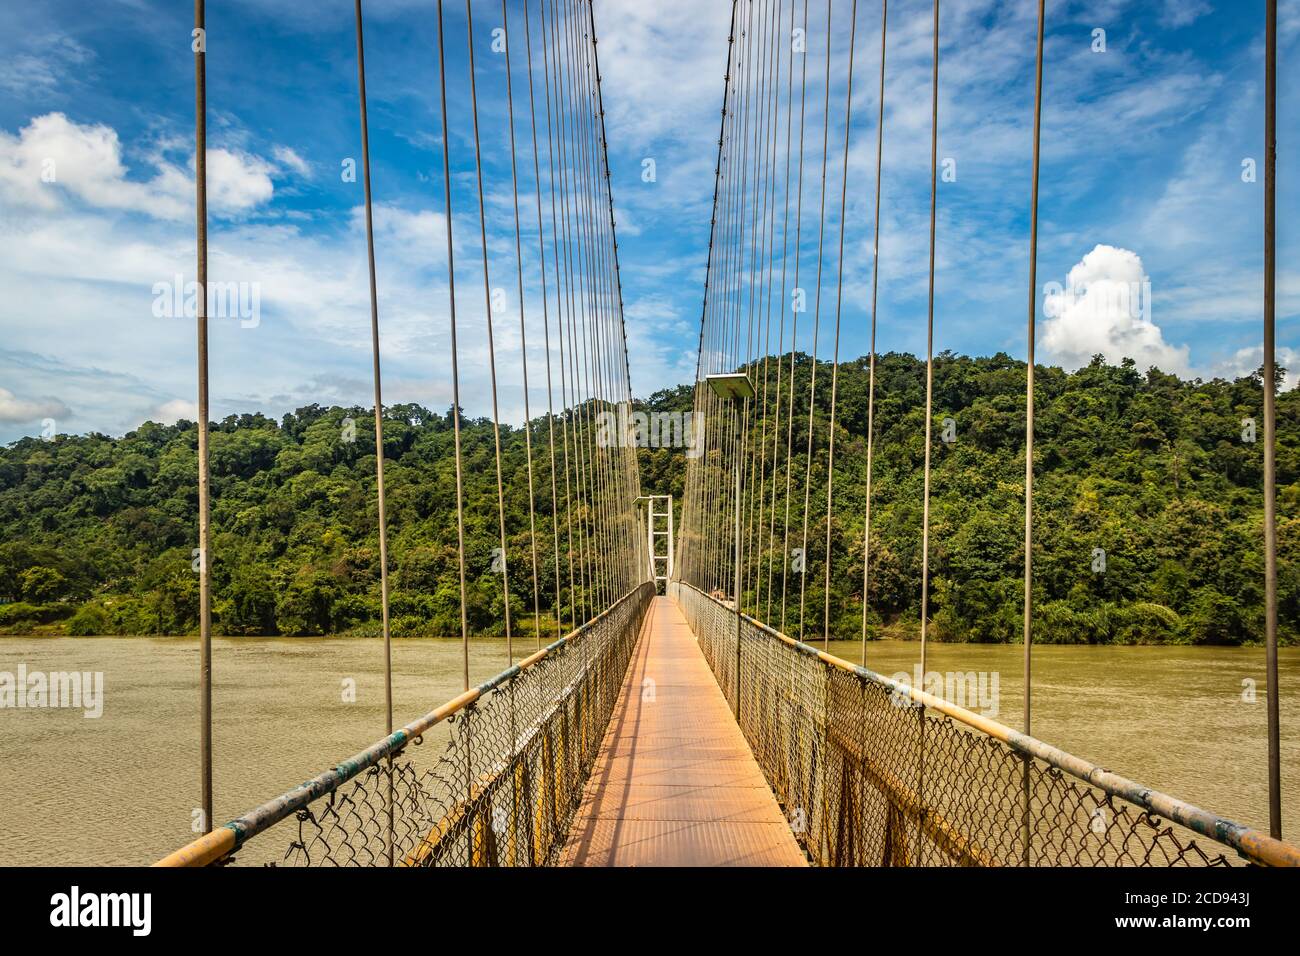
x,y
1105,308
169,413
16,411
1247,360
236,181
53,157
120,365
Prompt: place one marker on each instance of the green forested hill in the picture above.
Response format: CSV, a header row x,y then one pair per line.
x,y
96,532
1151,469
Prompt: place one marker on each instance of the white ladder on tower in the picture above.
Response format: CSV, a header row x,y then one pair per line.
x,y
659,530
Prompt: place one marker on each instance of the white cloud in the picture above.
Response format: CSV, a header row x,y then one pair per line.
x,y
102,397
1180,13
15,410
53,156
288,158
661,343
1247,360
1105,308
237,182
666,61
169,413
119,365
41,66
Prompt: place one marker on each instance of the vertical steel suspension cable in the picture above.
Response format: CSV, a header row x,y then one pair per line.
x,y
580,352
929,401
753,175
757,489
718,306
1270,419
591,328
597,331
629,460
523,330
1027,627
455,366
785,241
817,317
769,247
1027,638
775,308
729,317
730,320
794,329
594,330
579,319
750,259
736,308
379,416
740,355
687,562
725,320
929,342
871,374
575,405
546,319
585,426
559,317
714,292
718,489
622,460
374,354
835,361
492,353
750,450
205,508
630,466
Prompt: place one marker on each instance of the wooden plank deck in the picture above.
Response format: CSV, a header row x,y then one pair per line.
x,y
675,783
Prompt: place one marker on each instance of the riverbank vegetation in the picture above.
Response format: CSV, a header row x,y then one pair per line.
x,y
1148,513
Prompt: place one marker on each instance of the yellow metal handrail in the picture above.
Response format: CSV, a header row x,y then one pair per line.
x,y
224,840
1252,844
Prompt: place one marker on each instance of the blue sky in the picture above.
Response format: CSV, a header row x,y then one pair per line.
x,y
1143,149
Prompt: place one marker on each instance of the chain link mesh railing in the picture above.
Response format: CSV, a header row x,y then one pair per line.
x,y
873,773
502,793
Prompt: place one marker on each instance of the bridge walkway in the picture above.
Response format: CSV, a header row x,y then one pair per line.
x,y
675,783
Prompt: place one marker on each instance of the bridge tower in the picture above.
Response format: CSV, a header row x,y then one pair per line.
x,y
659,528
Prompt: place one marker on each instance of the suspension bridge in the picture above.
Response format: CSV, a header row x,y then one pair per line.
x,y
686,717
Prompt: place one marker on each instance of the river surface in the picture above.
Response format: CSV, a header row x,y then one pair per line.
x,y
122,788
